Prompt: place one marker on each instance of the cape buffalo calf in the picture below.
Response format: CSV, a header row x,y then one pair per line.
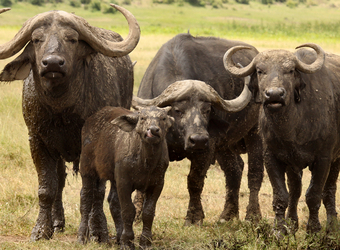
x,y
129,149
300,126
70,70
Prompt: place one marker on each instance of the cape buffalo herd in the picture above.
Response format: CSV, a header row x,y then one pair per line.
x,y
70,70
205,129
129,149
202,98
299,125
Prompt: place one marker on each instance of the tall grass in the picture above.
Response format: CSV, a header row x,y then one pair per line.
x,y
264,27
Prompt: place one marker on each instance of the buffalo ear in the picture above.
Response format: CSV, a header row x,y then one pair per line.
x,y
19,68
254,88
126,123
299,86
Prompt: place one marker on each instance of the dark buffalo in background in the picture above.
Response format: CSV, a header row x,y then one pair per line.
x,y
203,131
299,124
70,70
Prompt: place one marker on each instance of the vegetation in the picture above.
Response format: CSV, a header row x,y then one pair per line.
x,y
264,27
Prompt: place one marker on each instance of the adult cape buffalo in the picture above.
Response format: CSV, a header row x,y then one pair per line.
x,y
300,126
70,70
188,74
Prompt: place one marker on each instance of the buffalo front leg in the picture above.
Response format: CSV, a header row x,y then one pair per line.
x,y
329,195
115,210
294,181
46,168
198,170
151,196
58,216
320,171
232,166
255,174
276,174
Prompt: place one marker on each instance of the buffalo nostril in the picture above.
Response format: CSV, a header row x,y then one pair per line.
x,y
198,141
154,130
53,61
61,62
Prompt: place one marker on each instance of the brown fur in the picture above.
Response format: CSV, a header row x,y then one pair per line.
x,y
117,146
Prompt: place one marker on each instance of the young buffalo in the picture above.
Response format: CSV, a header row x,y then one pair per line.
x,y
129,149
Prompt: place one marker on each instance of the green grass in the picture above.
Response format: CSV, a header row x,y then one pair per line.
x,y
265,27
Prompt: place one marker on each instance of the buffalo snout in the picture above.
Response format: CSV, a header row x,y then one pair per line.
x,y
198,141
153,131
53,66
275,97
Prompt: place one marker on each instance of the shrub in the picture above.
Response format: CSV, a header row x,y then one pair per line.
x,y
292,3
75,3
96,6
6,3
37,2
243,1
85,1
108,9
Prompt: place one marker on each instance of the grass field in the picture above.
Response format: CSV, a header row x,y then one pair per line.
x,y
264,27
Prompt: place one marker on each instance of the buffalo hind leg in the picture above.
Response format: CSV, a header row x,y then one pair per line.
x,y
86,201
329,196
232,166
97,220
58,216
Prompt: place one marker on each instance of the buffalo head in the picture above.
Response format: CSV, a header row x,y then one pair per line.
x,y
278,74
151,123
191,102
58,44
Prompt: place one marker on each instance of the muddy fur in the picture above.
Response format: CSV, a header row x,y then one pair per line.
x,y
65,81
202,132
129,149
299,125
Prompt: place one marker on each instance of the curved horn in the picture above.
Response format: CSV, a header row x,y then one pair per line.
x,y
4,10
230,66
86,32
110,48
317,64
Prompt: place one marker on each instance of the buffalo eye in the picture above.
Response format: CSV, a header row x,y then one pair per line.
x,y
73,41
35,41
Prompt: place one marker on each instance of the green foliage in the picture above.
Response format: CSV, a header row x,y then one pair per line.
x,y
96,6
267,1
6,3
243,1
85,1
37,2
107,9
127,2
75,3
292,3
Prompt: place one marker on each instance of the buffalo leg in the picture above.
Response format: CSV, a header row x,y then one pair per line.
x,y
198,170
276,174
97,220
86,201
255,174
232,165
320,170
138,201
58,217
48,185
115,210
151,197
294,181
329,195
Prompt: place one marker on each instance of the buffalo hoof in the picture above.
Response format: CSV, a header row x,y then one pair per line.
x,y
313,227
228,216
41,232
145,242
189,222
253,213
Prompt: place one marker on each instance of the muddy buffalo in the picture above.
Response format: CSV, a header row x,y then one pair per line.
x,y
129,149
70,70
188,74
300,126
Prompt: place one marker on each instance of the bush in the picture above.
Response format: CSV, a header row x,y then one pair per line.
x,y
243,1
6,3
96,6
75,3
85,1
292,3
267,1
37,2
107,9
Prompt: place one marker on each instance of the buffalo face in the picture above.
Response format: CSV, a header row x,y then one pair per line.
x,y
151,123
191,123
277,79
